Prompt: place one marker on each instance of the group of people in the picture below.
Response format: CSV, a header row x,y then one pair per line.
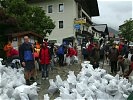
x,y
91,52
118,56
67,54
38,56
34,57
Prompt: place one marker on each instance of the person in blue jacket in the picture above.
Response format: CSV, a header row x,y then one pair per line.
x,y
60,52
27,59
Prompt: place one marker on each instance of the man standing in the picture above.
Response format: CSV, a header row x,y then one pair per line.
x,y
95,56
27,59
113,56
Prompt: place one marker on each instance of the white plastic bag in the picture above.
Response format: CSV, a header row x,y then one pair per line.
x,y
53,88
58,81
23,96
68,60
108,77
36,65
71,78
76,59
46,97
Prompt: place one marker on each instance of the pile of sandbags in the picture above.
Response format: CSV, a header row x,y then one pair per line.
x,y
91,84
12,85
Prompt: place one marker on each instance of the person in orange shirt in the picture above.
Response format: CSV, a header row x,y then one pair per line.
x,y
37,47
7,48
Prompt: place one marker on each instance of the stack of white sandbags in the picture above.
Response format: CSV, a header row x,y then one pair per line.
x,y
12,85
92,84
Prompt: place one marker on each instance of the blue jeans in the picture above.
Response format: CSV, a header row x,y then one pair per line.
x,y
45,72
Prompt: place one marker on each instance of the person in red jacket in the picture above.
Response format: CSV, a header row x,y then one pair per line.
x,y
14,52
44,57
70,52
89,49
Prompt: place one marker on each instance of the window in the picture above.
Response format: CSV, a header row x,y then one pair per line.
x,y
60,24
50,9
61,7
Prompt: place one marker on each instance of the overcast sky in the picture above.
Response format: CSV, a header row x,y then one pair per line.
x,y
114,12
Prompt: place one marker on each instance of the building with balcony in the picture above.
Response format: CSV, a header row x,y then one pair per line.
x,y
71,17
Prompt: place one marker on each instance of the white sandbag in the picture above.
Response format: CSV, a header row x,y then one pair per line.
x,y
71,78
93,84
4,97
75,59
88,94
9,91
58,98
125,96
108,77
66,85
0,61
36,65
31,91
92,87
53,88
89,98
129,56
91,79
33,95
131,79
77,96
112,89
65,94
24,96
81,87
119,96
86,62
46,97
97,83
58,81
68,60
12,98
101,95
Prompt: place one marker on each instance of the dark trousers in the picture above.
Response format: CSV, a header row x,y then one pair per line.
x,y
85,56
61,59
121,64
45,72
113,66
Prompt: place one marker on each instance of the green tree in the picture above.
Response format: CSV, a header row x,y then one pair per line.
x,y
126,29
29,18
7,22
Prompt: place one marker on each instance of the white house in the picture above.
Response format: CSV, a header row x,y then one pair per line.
x,y
70,16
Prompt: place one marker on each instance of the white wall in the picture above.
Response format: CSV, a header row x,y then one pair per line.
x,y
70,12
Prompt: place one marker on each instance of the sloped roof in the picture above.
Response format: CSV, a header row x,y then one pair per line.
x,y
25,33
102,28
